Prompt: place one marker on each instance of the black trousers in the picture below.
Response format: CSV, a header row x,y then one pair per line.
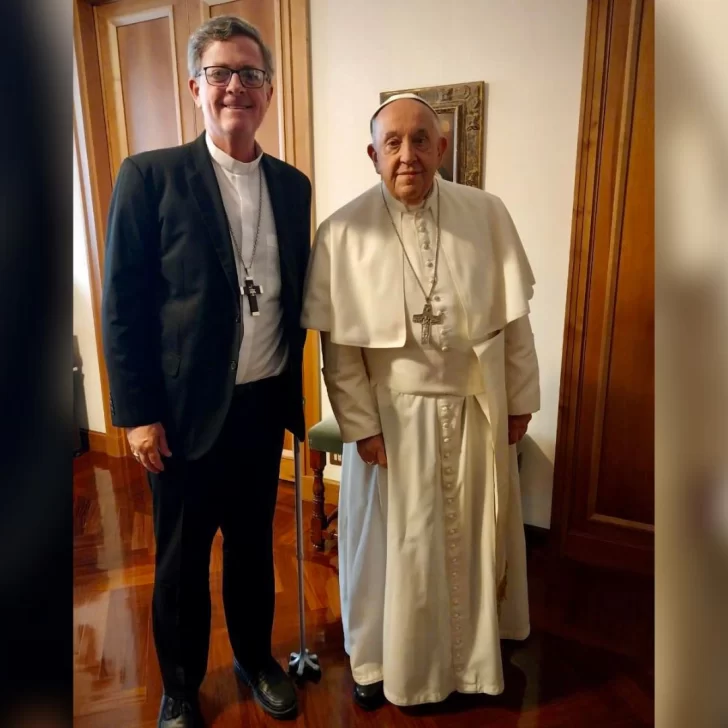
x,y
233,488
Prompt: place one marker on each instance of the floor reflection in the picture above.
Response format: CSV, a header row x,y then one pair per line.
x,y
550,682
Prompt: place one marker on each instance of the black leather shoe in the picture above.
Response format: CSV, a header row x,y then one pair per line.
x,y
272,688
369,697
174,713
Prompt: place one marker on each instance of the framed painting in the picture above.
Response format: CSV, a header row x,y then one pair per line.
x,y
461,108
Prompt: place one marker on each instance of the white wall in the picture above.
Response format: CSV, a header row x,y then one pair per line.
x,y
88,401
530,54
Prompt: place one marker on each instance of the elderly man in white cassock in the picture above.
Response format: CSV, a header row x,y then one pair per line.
x,y
421,291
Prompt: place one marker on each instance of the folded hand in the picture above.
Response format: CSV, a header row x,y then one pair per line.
x,y
148,443
372,451
517,427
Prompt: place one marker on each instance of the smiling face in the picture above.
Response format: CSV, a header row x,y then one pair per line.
x,y
232,113
407,148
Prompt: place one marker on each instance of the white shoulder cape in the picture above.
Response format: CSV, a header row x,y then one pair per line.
x,y
355,282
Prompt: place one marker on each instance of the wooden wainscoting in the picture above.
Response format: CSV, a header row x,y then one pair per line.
x,y
101,442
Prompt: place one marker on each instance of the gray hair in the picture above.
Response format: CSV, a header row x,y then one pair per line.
x,y
224,28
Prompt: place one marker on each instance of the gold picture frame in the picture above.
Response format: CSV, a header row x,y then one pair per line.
x,y
461,108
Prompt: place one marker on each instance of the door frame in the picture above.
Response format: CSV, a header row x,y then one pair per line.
x,y
629,545
91,136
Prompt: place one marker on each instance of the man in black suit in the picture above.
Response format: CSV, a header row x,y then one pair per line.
x,y
207,250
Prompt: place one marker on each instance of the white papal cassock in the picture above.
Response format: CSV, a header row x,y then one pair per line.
x,y
431,549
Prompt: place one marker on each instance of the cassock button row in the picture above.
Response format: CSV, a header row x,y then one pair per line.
x,y
233,366
447,439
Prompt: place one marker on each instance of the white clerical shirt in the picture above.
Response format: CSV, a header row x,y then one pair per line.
x,y
263,352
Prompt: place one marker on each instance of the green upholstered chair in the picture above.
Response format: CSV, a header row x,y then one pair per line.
x,y
324,440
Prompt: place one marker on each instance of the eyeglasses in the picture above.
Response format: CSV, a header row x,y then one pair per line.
x,y
220,76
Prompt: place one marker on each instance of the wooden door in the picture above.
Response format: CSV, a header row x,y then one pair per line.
x,y
133,96
603,511
142,56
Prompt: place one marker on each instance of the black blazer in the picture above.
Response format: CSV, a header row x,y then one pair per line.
x,y
171,319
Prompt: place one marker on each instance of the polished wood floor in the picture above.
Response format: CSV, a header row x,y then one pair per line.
x,y
551,682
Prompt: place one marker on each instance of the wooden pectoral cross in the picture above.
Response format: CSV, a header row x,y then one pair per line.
x,y
252,292
426,319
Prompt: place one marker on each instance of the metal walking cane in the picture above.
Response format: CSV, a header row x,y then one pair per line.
x,y
302,664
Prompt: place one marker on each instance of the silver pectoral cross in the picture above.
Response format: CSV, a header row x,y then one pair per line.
x,y
251,291
426,319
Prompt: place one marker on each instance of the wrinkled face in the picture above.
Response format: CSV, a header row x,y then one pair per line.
x,y
232,111
407,148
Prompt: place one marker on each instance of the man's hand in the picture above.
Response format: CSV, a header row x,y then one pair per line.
x,y
146,443
371,450
517,427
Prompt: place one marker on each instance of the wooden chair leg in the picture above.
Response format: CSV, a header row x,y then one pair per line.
x,y
318,519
